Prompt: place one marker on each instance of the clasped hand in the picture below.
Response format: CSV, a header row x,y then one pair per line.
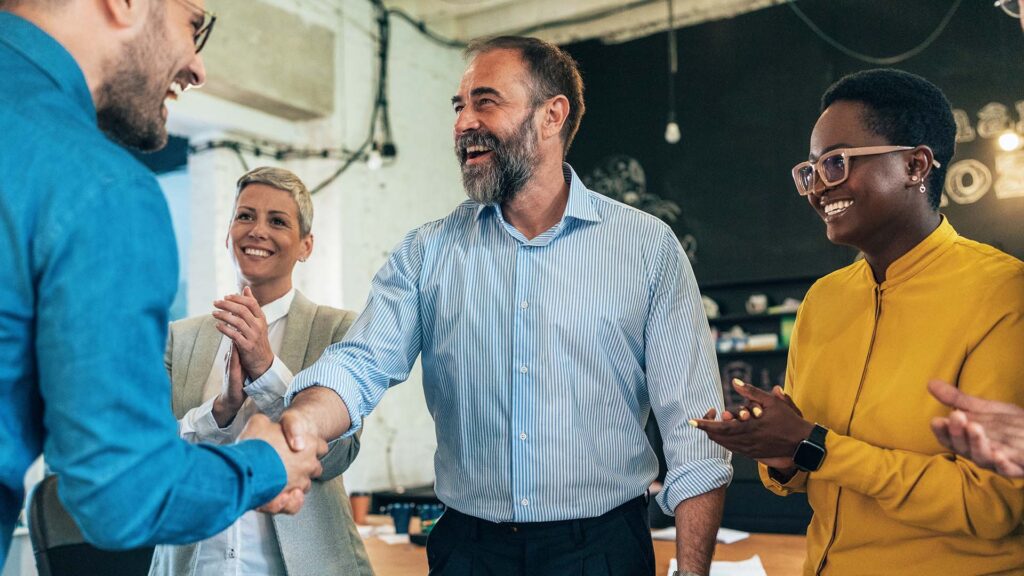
x,y
300,451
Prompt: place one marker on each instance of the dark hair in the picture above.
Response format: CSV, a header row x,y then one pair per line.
x,y
552,72
906,110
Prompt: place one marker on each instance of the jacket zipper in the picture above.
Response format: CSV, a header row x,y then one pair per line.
x,y
849,423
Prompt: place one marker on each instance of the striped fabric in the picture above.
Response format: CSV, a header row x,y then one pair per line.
x,y
542,359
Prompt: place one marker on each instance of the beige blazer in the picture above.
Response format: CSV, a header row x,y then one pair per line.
x,y
322,538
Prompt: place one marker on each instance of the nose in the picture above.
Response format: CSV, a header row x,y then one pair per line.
x,y
258,229
196,71
466,121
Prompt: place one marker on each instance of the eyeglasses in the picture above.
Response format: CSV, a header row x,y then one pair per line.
x,y
203,29
833,168
1011,7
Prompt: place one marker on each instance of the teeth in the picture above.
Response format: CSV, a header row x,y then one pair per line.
x,y
256,252
837,206
177,89
472,149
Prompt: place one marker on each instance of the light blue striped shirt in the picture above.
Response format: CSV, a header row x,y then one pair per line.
x,y
542,359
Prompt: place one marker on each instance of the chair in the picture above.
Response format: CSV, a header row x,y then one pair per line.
x,y
60,549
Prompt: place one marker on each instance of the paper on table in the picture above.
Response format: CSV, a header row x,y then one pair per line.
x,y
749,567
394,538
725,535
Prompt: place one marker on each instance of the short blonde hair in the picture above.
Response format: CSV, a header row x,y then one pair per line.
x,y
285,181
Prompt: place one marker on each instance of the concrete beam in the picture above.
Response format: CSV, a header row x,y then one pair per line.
x,y
270,59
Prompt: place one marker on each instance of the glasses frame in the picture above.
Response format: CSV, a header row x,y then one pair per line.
x,y
202,34
818,173
1005,6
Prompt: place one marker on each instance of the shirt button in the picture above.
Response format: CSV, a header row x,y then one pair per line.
x,y
522,435
524,304
231,552
524,502
523,369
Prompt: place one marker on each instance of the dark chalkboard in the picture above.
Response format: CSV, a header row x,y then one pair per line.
x,y
747,97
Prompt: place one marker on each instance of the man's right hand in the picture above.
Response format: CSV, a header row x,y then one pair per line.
x,y
302,466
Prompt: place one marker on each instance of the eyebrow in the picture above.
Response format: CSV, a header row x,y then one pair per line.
x,y
251,209
478,92
812,157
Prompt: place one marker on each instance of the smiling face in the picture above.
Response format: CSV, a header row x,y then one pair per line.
x,y
264,238
874,201
160,63
496,139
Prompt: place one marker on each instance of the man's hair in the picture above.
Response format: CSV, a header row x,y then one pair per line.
x,y
552,72
285,181
906,110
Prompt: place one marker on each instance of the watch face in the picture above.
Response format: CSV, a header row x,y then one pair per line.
x,y
808,456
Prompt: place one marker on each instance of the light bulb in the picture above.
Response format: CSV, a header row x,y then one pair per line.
x,y
1009,141
374,160
672,134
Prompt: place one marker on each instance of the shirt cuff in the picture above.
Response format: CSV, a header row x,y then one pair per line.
x,y
268,390
263,469
798,483
350,395
199,425
693,479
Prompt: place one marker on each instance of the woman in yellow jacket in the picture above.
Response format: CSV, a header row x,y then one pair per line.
x,y
924,303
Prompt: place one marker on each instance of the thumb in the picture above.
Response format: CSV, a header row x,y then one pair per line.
x,y
294,431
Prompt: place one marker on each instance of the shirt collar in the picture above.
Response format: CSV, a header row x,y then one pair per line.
x,y
580,205
278,309
920,256
49,57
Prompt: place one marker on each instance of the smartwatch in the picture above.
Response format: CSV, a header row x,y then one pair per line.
x,y
810,453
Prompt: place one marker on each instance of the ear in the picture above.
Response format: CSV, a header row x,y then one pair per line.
x,y
307,247
127,13
556,111
919,166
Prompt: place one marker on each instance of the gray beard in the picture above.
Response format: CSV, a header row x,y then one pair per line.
x,y
511,167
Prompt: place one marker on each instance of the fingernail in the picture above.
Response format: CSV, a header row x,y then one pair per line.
x,y
692,422
757,411
738,383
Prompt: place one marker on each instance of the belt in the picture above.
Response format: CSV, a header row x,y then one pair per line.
x,y
555,528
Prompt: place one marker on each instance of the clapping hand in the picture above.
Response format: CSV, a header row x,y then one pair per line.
x,y
989,432
242,320
768,429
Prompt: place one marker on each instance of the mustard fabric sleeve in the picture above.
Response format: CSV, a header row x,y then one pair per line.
x,y
944,492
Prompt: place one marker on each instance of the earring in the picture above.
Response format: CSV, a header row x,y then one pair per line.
x,y
922,189
913,178
302,259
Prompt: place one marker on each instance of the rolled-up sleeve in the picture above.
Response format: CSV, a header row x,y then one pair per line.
x,y
683,380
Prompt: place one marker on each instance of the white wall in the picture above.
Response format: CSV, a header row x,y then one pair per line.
x,y
360,217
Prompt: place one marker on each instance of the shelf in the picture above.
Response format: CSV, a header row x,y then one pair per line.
x,y
739,318
731,285
752,353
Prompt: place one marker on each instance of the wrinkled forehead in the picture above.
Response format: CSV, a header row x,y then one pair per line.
x,y
501,69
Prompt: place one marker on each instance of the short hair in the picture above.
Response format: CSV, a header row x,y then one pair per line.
x,y
552,71
285,181
906,110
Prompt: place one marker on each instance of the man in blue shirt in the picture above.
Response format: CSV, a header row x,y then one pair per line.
x,y
88,269
551,320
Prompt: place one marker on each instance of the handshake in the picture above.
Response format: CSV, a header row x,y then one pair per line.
x,y
300,450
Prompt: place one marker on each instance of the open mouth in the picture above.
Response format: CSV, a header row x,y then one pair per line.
x,y
257,252
477,153
835,208
175,91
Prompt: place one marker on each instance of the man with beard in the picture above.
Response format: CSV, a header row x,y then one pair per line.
x,y
551,321
89,271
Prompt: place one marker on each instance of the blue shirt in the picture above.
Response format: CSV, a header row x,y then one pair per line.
x,y
542,359
88,269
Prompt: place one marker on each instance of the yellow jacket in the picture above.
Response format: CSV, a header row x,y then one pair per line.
x,y
888,498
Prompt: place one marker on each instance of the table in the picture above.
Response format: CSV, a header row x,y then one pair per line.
x,y
781,554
